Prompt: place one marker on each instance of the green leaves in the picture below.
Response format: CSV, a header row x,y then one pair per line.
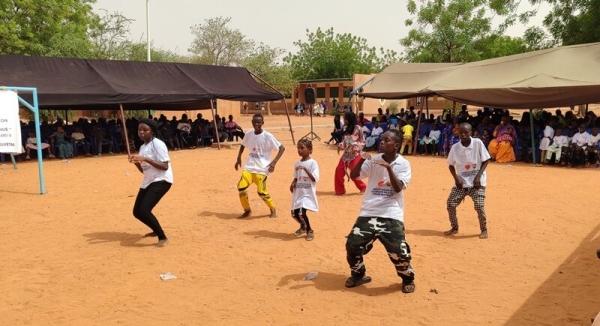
x,y
32,27
459,31
329,55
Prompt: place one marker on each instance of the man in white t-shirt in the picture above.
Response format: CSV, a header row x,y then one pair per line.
x,y
382,212
258,165
579,145
467,161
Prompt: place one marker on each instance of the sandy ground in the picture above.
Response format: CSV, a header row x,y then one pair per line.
x,y
75,256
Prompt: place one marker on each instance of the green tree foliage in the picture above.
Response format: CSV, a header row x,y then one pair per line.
x,y
264,62
57,27
573,21
459,31
217,44
329,55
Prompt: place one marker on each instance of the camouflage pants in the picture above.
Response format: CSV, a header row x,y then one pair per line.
x,y
390,232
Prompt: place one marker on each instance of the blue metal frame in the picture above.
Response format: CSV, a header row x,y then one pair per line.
x,y
36,114
358,89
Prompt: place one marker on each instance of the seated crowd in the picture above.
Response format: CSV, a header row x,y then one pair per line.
x,y
556,139
95,137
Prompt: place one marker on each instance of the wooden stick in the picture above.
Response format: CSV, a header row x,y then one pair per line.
x,y
125,130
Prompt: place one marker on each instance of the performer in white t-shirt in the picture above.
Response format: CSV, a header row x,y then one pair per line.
x,y
154,162
258,165
467,161
382,212
304,188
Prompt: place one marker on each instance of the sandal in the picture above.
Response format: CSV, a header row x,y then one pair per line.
x,y
408,287
354,281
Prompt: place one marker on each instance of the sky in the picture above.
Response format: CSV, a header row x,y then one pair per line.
x,y
276,23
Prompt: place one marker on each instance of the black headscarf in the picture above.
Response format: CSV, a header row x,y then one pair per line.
x,y
152,124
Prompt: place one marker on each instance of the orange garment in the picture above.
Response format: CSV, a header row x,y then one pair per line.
x,y
502,151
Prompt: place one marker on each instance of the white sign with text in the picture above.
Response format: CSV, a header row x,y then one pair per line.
x,y
10,125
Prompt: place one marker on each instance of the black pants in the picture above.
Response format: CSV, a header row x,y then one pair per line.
x,y
145,202
300,216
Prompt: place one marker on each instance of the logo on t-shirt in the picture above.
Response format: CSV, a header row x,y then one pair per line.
x,y
255,153
469,166
384,188
470,170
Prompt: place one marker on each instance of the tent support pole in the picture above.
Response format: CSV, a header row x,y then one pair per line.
x,y
287,112
125,130
416,142
212,110
289,121
14,162
586,108
532,135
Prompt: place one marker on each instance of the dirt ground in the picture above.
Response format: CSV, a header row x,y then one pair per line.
x,y
75,255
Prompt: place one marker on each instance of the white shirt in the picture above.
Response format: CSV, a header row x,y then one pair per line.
x,y
184,126
468,160
593,140
157,151
548,132
581,139
380,199
78,136
376,132
560,141
305,193
259,147
434,134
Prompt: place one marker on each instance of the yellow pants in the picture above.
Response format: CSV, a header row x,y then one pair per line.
x,y
406,141
261,184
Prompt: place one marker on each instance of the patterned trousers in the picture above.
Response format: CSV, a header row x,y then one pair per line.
x,y
390,232
458,195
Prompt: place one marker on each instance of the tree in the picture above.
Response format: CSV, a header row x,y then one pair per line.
x,y
217,44
31,27
446,32
109,35
329,55
264,62
573,21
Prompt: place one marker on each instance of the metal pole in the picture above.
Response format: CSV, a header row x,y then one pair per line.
x,y
38,132
148,30
532,135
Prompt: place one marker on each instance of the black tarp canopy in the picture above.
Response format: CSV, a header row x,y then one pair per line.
x,y
67,83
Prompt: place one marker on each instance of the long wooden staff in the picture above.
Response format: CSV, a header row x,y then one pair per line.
x,y
125,130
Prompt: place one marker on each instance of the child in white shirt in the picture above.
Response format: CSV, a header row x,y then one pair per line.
x,y
467,161
558,142
382,212
304,188
375,133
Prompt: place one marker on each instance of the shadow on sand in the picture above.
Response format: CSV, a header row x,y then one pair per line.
x,y
436,233
573,289
273,235
125,239
230,216
335,282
